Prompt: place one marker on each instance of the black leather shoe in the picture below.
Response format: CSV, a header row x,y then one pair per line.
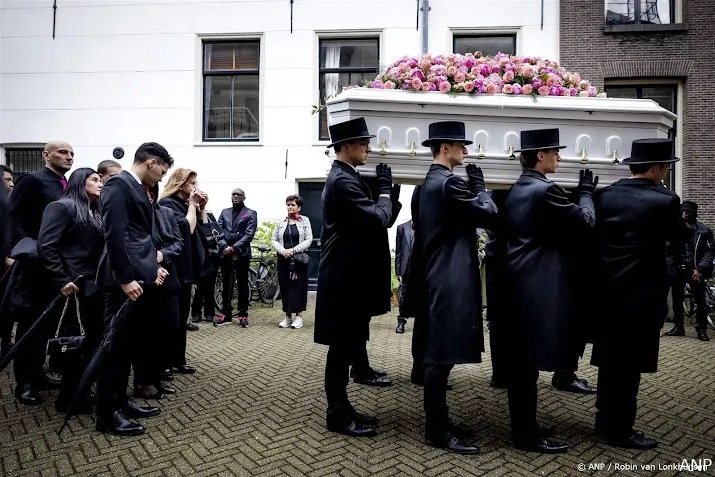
x,y
401,322
350,426
376,381
135,411
450,443
543,445
576,385
365,419
166,389
676,331
636,440
703,335
27,394
461,431
119,425
167,376
547,430
191,327
148,392
185,369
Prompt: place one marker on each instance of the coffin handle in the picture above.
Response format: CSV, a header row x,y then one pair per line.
x,y
584,156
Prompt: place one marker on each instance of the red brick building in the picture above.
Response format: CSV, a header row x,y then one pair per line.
x,y
658,49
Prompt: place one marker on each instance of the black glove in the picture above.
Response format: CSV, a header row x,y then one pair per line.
x,y
384,178
395,195
587,183
475,179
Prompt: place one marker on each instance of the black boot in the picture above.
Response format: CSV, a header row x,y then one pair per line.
x,y
702,334
401,322
677,330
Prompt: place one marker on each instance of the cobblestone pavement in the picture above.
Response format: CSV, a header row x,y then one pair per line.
x,y
256,407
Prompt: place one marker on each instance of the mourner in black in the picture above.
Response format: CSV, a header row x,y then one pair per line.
x,y
450,211
6,323
541,226
696,267
7,180
204,302
70,244
108,168
354,273
32,291
182,195
131,257
239,225
635,219
403,249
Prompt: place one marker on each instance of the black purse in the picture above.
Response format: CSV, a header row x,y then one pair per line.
x,y
61,346
300,257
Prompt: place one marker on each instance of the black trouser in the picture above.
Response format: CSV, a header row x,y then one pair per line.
x,y
419,345
240,265
523,396
337,366
401,298
179,355
155,343
499,350
697,289
28,363
617,400
204,297
91,310
435,399
361,363
113,375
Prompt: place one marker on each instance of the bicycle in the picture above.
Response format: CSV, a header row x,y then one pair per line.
x,y
262,280
690,308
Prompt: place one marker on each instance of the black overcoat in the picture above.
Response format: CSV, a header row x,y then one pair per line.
x,y
543,227
354,275
635,219
449,214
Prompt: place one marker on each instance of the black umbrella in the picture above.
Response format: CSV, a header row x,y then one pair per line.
x,y
117,326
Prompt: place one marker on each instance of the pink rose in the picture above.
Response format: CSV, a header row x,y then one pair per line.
x,y
451,57
469,63
508,89
481,61
389,85
468,87
425,65
445,87
426,86
576,78
509,76
451,71
583,94
416,84
552,81
491,88
459,77
432,78
517,89
527,89
545,90
584,85
475,70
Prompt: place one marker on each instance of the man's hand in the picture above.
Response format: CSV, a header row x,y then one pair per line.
x,y
69,289
133,290
228,252
384,179
587,182
159,257
696,275
475,178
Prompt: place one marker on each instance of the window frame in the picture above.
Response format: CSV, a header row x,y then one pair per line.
x,y
376,36
674,12
204,73
514,34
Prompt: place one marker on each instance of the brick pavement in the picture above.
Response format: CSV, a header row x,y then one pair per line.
x,y
256,407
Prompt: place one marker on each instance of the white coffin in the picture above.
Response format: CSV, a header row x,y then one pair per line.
x,y
598,132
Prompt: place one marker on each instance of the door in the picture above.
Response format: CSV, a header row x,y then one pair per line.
x,y
311,193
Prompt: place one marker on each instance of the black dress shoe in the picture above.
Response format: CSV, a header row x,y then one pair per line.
x,y
135,411
27,394
543,446
576,385
376,381
350,426
191,327
185,369
167,376
119,425
636,440
148,392
166,389
451,443
702,335
401,322
365,419
676,331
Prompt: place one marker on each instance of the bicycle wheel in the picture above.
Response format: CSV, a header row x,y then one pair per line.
x,y
268,282
252,286
710,302
218,291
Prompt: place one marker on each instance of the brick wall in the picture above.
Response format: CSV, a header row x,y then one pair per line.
x,y
686,55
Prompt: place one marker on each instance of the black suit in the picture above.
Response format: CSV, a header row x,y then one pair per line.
x,y
131,255
204,294
403,250
239,227
69,248
31,195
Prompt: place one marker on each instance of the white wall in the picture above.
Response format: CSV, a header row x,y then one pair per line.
x,y
122,72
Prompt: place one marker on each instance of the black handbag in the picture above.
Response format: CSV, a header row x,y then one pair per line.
x,y
61,346
300,257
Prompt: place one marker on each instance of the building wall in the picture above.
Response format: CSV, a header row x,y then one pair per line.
x,y
120,73
685,56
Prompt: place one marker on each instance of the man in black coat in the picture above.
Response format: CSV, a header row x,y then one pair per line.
x,y
403,249
354,278
695,269
636,217
131,257
32,193
450,211
239,224
541,226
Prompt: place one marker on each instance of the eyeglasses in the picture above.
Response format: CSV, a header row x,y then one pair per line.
x,y
237,195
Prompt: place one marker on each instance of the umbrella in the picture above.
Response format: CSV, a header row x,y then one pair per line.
x,y
105,349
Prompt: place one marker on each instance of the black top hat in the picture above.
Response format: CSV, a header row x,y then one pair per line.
x,y
351,130
446,131
540,140
689,206
651,151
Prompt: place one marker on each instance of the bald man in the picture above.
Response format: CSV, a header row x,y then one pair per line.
x,y
32,193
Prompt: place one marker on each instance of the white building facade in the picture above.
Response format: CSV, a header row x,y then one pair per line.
x,y
227,86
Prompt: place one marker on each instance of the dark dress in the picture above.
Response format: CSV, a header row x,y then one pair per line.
x,y
294,293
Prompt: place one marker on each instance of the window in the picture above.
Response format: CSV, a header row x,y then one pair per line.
x,y
649,12
666,95
24,160
487,44
343,62
230,73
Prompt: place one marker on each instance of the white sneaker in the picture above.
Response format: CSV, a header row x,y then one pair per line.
x,y
297,323
286,322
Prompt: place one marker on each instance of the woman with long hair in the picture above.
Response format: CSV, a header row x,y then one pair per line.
x,y
70,244
181,194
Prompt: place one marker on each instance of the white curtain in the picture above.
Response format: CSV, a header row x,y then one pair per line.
x,y
332,60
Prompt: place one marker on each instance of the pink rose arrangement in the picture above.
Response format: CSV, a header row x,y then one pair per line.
x,y
479,74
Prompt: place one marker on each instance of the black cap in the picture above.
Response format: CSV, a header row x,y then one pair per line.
x,y
540,140
689,206
351,130
651,151
446,131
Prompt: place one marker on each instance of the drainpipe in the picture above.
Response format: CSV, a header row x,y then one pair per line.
x,y
425,26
